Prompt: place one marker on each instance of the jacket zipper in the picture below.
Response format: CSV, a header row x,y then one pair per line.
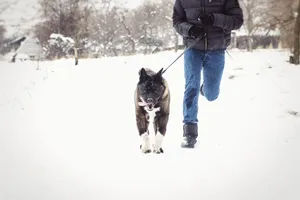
x,y
205,37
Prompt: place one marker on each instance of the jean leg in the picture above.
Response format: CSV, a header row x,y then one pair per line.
x,y
213,68
193,60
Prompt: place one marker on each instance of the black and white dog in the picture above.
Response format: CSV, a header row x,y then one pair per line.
x,y
152,105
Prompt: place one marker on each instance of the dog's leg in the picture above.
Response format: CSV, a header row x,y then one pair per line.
x,y
158,143
146,144
154,136
142,125
159,136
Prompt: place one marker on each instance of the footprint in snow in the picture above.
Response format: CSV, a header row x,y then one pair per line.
x,y
238,69
232,77
292,112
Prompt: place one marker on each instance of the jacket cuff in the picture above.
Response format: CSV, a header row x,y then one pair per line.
x,y
219,20
186,29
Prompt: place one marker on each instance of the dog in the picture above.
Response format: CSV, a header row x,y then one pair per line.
x,y
152,106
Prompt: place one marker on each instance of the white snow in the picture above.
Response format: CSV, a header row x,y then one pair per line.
x,y
68,132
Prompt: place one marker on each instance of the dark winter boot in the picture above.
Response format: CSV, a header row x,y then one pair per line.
x,y
190,134
201,90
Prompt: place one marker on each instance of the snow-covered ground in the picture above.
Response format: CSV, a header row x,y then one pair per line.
x,y
68,132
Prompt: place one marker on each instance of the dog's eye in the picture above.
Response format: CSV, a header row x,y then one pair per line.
x,y
161,88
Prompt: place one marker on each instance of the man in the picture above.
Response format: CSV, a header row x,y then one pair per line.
x,y
209,24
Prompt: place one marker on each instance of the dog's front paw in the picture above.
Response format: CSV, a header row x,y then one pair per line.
x,y
158,151
145,149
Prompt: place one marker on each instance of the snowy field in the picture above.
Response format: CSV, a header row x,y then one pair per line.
x,y
68,132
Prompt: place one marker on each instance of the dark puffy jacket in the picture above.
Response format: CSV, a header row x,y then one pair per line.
x,y
228,16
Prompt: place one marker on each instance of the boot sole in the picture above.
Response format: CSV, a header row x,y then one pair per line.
x,y
188,146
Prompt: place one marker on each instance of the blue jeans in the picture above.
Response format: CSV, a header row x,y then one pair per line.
x,y
212,63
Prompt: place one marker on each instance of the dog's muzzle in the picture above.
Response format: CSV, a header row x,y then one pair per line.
x,y
149,104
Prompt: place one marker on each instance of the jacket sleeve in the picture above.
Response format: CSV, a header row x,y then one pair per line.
x,y
232,19
179,20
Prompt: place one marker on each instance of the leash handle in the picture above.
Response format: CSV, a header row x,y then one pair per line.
x,y
197,40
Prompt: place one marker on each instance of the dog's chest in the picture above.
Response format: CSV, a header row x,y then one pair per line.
x,y
151,114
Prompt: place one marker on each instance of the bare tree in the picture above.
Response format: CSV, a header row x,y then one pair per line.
x,y
150,27
105,30
167,10
281,14
2,32
126,21
3,7
67,17
101,28
253,14
296,55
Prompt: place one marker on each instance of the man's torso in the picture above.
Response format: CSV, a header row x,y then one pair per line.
x,y
217,38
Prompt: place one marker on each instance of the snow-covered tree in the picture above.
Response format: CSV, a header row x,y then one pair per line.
x,y
253,11
172,37
67,17
105,30
2,32
59,46
153,30
283,15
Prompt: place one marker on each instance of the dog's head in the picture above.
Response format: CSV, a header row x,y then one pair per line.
x,y
150,88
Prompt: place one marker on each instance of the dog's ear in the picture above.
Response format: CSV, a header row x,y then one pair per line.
x,y
160,72
143,75
158,76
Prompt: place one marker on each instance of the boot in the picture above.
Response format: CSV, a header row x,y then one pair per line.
x,y
190,134
201,90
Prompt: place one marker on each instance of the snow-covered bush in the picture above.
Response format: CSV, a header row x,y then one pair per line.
x,y
59,46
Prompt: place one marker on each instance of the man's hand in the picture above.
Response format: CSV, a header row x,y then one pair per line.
x,y
207,19
197,32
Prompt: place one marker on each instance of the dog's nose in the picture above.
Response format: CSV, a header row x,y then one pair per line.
x,y
149,100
